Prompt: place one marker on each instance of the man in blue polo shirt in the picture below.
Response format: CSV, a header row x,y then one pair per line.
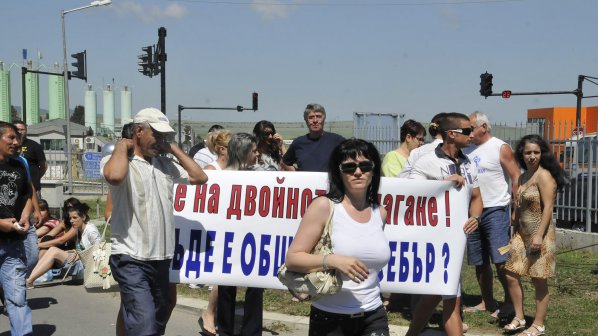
x,y
311,152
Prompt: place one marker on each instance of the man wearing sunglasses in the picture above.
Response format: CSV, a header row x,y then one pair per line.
x,y
311,152
448,162
498,174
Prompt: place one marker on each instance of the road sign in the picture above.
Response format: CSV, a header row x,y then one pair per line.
x,y
91,165
506,94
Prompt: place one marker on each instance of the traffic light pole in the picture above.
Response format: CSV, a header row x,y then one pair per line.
x,y
239,108
162,60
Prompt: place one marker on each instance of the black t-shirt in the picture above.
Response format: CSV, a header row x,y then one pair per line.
x,y
14,192
34,153
312,154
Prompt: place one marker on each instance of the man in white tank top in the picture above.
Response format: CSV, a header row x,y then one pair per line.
x,y
498,174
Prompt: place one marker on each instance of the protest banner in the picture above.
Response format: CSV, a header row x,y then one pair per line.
x,y
235,229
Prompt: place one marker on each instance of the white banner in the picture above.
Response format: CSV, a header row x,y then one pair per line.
x,y
236,229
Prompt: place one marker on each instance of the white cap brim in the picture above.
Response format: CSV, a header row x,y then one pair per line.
x,y
162,127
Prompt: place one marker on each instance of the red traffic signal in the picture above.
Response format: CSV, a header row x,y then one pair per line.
x,y
506,94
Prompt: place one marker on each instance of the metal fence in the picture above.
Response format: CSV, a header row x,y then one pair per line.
x,y
86,173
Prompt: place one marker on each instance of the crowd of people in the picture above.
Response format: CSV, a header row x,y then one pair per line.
x,y
510,226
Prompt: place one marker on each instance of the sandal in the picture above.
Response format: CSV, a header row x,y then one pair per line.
x,y
541,330
515,325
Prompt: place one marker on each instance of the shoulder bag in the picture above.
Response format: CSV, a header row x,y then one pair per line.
x,y
97,273
319,283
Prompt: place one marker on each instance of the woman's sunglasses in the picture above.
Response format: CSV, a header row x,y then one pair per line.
x,y
351,167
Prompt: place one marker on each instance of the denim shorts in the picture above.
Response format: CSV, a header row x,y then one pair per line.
x,y
493,233
370,323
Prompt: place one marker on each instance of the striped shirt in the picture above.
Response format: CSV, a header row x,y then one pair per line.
x,y
142,224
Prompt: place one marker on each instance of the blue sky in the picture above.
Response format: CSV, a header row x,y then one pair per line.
x,y
412,57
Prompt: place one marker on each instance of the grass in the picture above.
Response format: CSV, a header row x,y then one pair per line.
x,y
573,308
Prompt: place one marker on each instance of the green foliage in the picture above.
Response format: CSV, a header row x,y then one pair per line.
x,y
78,116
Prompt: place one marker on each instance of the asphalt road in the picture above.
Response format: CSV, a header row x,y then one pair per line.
x,y
68,310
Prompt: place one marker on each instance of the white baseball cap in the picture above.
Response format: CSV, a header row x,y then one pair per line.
x,y
155,118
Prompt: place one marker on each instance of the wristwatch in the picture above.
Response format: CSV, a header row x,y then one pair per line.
x,y
477,218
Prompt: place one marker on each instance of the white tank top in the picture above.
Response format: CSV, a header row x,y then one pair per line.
x,y
494,182
366,242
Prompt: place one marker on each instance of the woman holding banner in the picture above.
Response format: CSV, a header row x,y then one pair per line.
x,y
360,246
533,245
242,154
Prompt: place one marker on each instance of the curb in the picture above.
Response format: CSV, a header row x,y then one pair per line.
x,y
195,305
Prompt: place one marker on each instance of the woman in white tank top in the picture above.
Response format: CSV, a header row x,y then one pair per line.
x,y
358,241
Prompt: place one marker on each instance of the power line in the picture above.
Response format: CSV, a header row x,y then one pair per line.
x,y
350,4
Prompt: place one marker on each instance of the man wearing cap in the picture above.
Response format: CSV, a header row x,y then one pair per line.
x,y
142,234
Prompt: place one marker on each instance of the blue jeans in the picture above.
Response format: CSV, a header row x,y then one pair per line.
x,y
13,272
31,251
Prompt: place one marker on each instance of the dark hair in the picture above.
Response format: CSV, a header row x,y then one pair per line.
x,y
5,125
19,122
412,128
451,121
352,148
215,127
547,159
434,127
128,131
81,209
42,203
69,203
264,146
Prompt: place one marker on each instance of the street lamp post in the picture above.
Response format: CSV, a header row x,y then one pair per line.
x,y
67,113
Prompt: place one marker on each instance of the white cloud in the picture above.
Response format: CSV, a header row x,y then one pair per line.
x,y
272,9
149,13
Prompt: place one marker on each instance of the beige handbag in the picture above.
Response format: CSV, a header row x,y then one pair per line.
x,y
97,273
317,283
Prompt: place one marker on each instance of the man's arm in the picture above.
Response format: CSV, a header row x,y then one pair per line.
x,y
507,161
24,220
476,206
196,174
37,216
117,168
43,167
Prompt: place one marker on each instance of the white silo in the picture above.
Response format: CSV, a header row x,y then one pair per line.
x,y
126,105
109,108
91,109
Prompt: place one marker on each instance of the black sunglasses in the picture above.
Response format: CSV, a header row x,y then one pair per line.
x,y
351,167
464,131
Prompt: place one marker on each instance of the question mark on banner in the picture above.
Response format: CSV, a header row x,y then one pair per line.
x,y
446,255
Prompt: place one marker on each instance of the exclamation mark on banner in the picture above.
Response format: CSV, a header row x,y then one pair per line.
x,y
447,206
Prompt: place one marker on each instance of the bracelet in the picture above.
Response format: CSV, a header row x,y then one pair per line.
x,y
324,264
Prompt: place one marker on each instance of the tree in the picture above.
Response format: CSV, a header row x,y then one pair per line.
x,y
14,114
89,131
78,116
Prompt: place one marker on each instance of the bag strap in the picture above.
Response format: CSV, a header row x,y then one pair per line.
x,y
328,226
103,237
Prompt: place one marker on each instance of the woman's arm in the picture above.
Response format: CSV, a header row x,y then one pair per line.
x,y
66,237
300,259
547,187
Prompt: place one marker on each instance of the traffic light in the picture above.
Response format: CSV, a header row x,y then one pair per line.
x,y
254,101
79,65
146,61
486,84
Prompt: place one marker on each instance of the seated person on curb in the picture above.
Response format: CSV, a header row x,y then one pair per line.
x,y
87,234
47,222
60,236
